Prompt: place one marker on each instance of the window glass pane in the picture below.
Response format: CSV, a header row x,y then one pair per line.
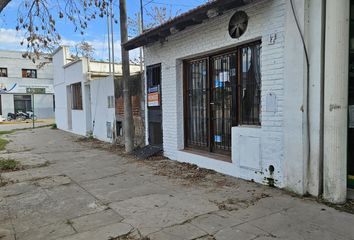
x,y
29,73
250,85
22,103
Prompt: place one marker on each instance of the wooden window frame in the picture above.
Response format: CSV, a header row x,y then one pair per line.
x,y
2,74
76,96
236,120
33,73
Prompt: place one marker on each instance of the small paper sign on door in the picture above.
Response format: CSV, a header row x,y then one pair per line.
x,y
351,116
154,99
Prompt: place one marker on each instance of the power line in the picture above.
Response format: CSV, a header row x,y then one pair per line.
x,y
169,4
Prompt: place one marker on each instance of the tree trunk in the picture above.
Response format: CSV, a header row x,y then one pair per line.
x,y
128,114
3,4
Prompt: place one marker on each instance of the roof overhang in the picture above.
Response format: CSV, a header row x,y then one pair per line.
x,y
193,17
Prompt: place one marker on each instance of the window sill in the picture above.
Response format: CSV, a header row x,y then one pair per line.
x,y
215,156
248,126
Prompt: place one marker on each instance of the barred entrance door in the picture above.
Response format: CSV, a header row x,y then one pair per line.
x,y
223,82
197,117
209,102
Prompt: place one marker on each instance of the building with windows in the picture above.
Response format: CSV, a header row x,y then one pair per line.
x,y
26,86
257,89
85,95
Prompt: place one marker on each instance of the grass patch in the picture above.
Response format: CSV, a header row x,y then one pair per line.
x,y
3,143
9,165
6,132
54,126
69,222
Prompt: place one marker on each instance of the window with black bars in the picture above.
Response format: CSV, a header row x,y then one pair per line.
x,y
250,80
221,91
154,75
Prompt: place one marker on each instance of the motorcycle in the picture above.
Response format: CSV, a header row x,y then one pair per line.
x,y
21,116
25,116
11,116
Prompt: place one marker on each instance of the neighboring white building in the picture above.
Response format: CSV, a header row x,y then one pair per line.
x,y
84,95
237,103
20,77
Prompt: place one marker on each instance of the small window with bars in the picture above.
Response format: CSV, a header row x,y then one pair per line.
x,y
110,101
3,72
29,73
76,93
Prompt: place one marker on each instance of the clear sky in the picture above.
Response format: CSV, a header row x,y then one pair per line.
x,y
96,34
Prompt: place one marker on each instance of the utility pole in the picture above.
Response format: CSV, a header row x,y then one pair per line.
x,y
32,109
109,44
141,48
142,15
112,38
128,114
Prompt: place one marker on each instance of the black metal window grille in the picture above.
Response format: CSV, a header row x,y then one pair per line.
x,y
250,85
153,75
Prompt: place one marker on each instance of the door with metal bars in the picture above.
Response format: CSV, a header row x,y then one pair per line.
x,y
153,74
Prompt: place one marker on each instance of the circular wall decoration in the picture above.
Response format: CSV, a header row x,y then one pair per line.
x,y
238,24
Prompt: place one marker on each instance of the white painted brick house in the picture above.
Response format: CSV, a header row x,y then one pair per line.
x,y
253,106
84,94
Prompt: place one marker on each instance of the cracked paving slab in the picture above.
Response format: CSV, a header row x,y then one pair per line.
x,y
88,192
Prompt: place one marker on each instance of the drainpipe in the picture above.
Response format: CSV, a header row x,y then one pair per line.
x,y
306,101
321,148
336,101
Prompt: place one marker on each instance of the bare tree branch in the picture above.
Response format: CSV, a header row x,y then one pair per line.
x,y
3,4
37,20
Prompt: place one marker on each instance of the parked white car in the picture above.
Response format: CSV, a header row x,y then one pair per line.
x,y
2,119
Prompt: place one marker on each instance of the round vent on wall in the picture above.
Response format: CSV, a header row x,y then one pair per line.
x,y
238,24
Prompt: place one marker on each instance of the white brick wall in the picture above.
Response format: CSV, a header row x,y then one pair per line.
x,y
265,18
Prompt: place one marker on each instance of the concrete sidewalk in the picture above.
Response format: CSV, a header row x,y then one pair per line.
x,y
74,189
